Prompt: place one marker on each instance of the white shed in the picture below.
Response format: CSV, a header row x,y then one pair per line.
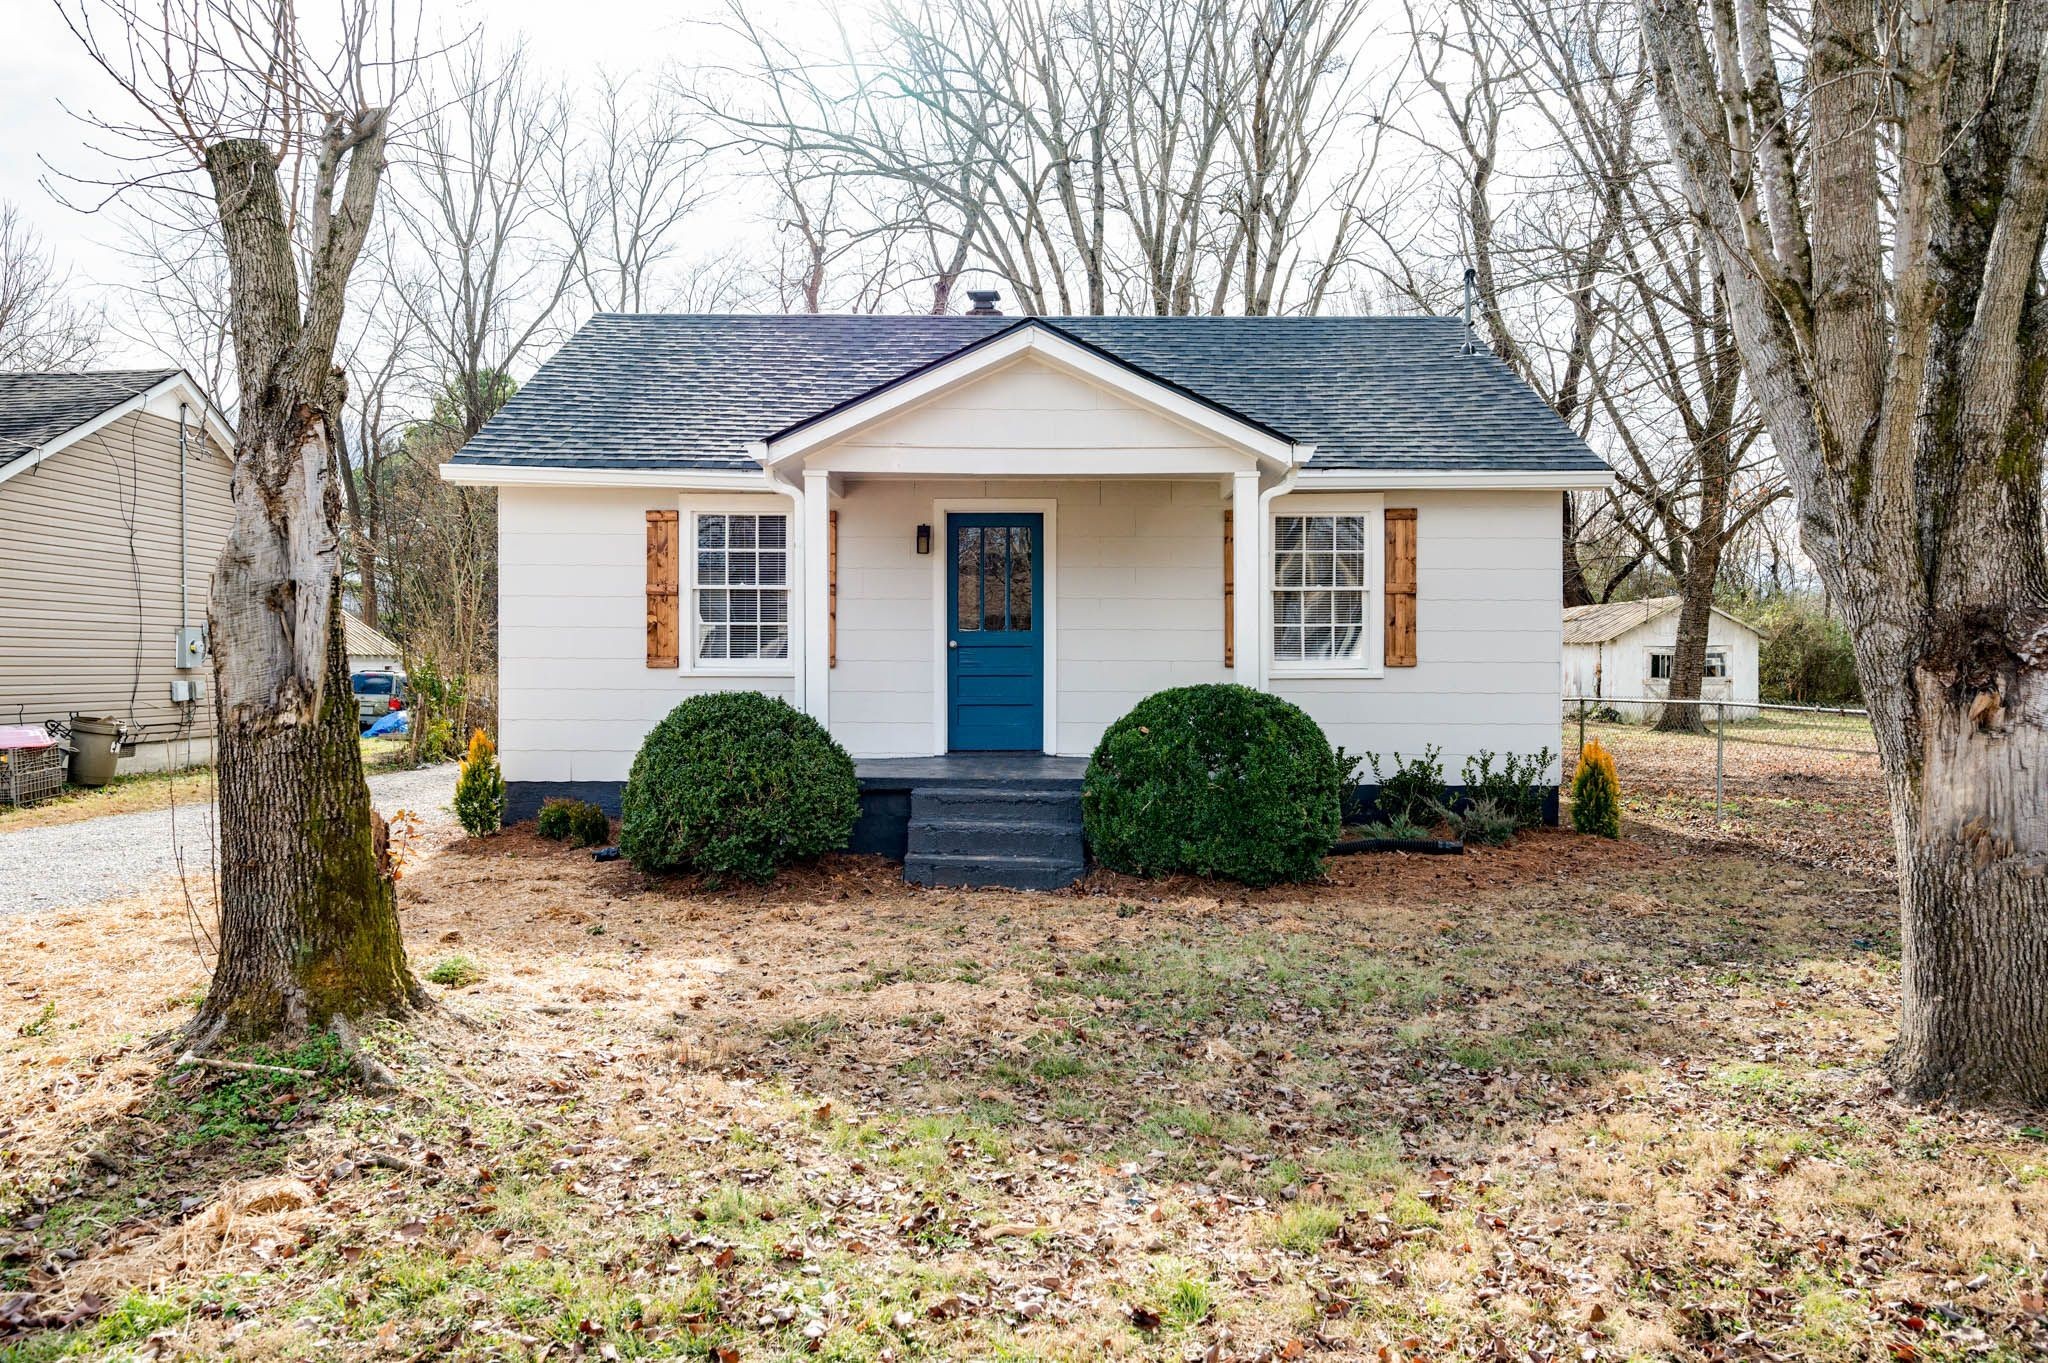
x,y
370,650
1621,651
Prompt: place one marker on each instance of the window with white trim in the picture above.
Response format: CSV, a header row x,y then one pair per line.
x,y
1321,581
740,583
1661,663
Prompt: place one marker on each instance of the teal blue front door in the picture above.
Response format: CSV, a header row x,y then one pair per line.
x,y
995,636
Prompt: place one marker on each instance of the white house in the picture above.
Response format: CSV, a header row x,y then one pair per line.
x,y
1621,651
947,537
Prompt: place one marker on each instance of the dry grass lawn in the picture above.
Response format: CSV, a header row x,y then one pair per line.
x,y
1565,1100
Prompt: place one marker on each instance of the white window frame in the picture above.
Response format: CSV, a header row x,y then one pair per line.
x,y
1670,657
1372,659
694,509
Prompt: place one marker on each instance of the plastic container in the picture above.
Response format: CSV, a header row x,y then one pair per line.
x,y
95,748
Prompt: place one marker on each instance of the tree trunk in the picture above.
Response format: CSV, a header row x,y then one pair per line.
x,y
1695,618
302,847
308,919
1973,881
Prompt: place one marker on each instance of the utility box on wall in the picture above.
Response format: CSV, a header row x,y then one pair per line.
x,y
191,647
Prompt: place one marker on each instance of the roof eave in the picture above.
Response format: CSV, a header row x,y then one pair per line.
x,y
213,422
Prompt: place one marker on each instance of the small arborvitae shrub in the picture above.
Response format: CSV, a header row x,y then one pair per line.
x,y
1213,780
1596,793
455,972
1485,822
736,784
480,788
555,819
1514,786
1413,791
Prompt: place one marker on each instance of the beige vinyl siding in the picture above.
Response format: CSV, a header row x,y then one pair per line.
x,y
89,576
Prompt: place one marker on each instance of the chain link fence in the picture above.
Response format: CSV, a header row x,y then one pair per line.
x,y
1800,780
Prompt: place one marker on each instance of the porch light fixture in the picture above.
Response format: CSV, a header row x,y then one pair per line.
x,y
924,539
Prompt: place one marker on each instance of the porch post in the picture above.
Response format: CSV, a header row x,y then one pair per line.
x,y
817,587
1248,537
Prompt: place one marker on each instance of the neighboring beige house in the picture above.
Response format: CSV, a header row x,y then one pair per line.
x,y
114,505
1621,651
370,650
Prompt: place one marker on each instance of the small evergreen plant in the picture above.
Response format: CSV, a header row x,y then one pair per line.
x,y
1596,793
480,788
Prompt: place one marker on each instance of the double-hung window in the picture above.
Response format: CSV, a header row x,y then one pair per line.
x,y
740,584
1322,585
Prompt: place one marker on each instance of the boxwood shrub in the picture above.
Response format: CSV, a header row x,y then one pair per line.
x,y
736,784
1213,780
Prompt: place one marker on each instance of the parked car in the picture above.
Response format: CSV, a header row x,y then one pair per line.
x,y
377,694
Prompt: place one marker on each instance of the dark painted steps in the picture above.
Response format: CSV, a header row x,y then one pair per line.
x,y
993,837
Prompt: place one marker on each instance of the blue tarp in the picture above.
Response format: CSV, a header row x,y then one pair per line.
x,y
396,722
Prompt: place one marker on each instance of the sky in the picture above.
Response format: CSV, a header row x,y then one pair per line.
x,y
44,72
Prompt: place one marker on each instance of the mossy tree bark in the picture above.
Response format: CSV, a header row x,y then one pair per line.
x,y
1884,276
309,932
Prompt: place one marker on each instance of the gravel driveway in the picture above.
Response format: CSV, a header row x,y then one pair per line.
x,y
123,854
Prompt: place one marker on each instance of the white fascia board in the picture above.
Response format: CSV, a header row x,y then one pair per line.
x,y
1055,350
171,390
517,475
1362,480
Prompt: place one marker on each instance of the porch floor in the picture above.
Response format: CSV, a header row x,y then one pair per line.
x,y
1034,771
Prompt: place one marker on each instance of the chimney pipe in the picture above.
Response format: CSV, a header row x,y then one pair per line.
x,y
984,301
1471,292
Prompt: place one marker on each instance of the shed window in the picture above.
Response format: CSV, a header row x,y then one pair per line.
x,y
1320,580
1660,664
740,583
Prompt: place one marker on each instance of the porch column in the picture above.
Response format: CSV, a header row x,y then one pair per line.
x,y
816,664
1248,539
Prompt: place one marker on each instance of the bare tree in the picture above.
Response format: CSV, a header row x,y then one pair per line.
x,y
487,278
41,326
290,132
1877,228
623,185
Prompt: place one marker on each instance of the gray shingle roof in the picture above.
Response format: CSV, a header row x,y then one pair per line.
x,y
1596,624
641,391
37,408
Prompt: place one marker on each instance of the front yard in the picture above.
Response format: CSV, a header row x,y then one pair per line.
x,y
1567,1099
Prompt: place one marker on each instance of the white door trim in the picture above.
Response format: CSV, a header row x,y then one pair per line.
x,y
1048,595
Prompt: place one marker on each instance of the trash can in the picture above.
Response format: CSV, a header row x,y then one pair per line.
x,y
95,747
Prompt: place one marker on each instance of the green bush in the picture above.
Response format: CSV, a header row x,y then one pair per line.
x,y
480,788
1806,658
736,784
1413,792
555,818
1514,788
576,822
1216,781
1596,793
1487,822
589,826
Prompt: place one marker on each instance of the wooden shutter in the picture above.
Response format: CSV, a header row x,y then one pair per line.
x,y
664,590
1400,589
832,588
1229,589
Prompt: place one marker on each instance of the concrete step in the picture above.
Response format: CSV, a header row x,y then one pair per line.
x,y
995,805
996,837
990,872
